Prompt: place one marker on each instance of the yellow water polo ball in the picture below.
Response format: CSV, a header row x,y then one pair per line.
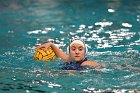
x,y
44,54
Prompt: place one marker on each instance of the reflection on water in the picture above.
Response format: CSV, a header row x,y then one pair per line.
x,y
109,28
98,36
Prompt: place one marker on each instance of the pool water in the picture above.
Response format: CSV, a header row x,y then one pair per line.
x,y
110,28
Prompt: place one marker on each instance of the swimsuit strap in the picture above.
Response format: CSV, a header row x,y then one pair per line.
x,y
73,65
83,60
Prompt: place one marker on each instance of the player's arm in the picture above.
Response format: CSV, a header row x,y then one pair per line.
x,y
92,64
59,53
127,67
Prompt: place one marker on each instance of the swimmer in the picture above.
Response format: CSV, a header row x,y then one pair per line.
x,y
76,59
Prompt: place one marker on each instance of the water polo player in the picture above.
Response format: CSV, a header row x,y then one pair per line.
x,y
76,59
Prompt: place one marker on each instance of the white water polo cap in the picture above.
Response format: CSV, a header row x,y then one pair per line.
x,y
77,42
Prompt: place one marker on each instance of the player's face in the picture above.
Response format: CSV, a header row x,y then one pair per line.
x,y
77,52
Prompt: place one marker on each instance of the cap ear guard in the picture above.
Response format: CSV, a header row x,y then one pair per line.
x,y
86,49
68,50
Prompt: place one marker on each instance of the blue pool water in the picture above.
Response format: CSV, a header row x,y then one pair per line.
x,y
110,28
